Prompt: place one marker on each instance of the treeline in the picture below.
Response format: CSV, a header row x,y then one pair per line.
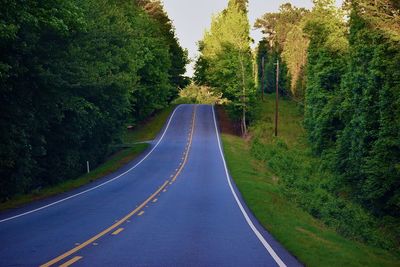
x,y
284,42
346,74
225,62
341,65
71,74
355,120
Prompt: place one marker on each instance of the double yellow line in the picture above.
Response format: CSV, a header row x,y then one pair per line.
x,y
124,219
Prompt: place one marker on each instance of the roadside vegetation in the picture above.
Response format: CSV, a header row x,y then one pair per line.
x,y
307,180
225,63
128,150
337,153
345,74
199,94
287,189
148,129
72,74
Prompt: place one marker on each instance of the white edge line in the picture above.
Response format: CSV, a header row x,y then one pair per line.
x,y
100,185
246,216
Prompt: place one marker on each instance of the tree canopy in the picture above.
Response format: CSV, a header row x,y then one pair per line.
x,y
343,65
72,73
225,62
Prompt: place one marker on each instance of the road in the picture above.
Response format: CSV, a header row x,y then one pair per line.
x,y
174,206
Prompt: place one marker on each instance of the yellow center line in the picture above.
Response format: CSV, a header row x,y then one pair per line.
x,y
124,219
189,145
106,231
71,261
116,232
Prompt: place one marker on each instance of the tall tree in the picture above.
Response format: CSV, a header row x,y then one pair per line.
x,y
286,42
178,55
325,66
383,15
71,72
241,4
277,25
368,149
226,58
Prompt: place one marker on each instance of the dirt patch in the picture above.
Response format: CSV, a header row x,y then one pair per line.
x,y
226,125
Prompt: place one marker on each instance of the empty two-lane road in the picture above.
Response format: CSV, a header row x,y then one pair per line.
x,y
175,206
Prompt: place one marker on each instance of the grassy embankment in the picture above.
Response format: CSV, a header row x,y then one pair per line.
x,y
130,150
259,181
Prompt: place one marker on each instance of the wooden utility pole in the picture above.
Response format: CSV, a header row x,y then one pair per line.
x,y
262,77
277,98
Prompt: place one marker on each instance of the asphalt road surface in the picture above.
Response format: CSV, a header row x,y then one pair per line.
x,y
174,206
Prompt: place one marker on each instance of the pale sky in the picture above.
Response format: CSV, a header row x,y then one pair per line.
x,y
192,17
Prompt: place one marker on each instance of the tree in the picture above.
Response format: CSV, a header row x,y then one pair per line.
x,y
295,56
368,148
285,41
326,59
276,26
383,15
178,55
226,59
71,73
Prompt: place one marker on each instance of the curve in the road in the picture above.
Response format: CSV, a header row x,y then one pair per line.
x,y
97,186
147,216
137,209
267,246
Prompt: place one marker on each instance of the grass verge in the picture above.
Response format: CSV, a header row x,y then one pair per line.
x,y
147,130
304,236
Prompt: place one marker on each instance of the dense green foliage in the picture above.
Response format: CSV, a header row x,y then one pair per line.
x,y
351,82
368,149
282,183
225,62
178,56
325,67
352,106
282,42
268,56
71,73
200,94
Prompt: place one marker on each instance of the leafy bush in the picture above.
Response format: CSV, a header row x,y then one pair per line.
x,y
312,187
200,95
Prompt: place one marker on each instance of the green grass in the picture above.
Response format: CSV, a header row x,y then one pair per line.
x,y
304,236
147,130
309,181
290,126
115,162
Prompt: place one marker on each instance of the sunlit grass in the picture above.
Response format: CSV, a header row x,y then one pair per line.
x,y
304,236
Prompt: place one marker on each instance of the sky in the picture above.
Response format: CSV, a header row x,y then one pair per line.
x,y
192,17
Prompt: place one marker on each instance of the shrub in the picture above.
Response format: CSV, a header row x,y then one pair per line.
x,y
200,95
